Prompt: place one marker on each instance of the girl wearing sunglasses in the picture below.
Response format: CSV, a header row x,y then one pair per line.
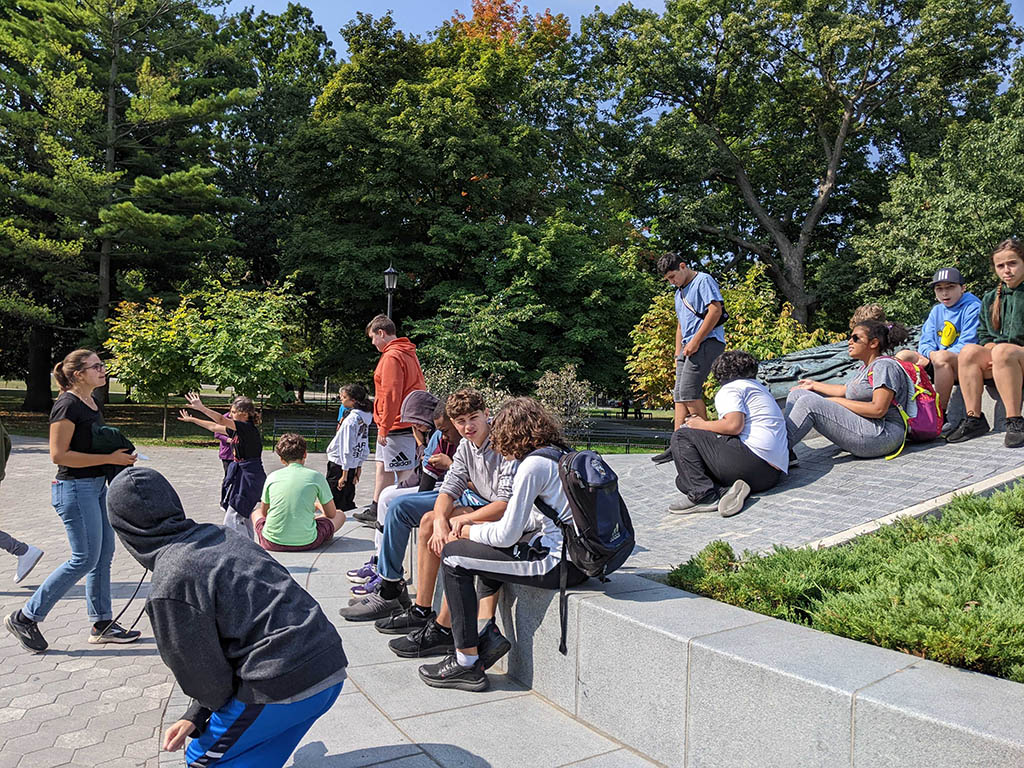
x,y
862,416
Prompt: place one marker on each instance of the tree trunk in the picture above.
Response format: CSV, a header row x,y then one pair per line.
x,y
302,392
109,165
164,437
37,380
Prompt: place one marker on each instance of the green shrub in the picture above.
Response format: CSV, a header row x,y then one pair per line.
x,y
949,589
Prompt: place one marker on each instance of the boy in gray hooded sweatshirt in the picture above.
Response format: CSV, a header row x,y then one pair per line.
x,y
251,647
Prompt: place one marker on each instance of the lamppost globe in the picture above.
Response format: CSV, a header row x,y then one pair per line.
x,y
390,283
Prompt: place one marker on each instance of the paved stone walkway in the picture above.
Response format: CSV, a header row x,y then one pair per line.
x,y
80,705
84,706
827,494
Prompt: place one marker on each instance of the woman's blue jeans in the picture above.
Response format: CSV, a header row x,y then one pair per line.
x,y
82,505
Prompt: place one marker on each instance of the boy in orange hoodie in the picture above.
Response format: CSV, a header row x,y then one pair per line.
x,y
397,374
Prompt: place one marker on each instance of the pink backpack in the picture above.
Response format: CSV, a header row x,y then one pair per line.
x,y
926,423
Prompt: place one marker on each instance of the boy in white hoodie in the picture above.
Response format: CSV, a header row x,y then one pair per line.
x,y
350,446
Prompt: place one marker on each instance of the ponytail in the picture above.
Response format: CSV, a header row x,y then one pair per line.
x,y
64,371
994,319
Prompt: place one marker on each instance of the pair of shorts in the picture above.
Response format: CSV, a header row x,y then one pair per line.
x,y
400,452
324,533
693,370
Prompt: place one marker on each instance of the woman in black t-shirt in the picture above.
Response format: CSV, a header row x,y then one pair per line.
x,y
243,481
79,494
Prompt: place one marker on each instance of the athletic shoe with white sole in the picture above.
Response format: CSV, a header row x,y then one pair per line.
x,y
26,631
685,506
112,632
450,674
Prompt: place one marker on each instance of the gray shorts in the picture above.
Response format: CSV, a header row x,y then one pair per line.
x,y
692,371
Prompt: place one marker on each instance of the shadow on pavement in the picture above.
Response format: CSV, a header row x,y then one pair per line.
x,y
315,754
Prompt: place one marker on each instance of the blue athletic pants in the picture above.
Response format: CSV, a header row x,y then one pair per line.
x,y
257,735
404,514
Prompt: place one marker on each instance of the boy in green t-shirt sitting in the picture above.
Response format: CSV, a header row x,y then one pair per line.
x,y
287,519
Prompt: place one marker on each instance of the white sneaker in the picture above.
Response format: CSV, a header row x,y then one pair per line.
x,y
27,562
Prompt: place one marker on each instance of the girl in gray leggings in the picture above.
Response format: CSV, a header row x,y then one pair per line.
x,y
861,417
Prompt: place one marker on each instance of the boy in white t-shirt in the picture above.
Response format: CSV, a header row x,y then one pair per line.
x,y
744,449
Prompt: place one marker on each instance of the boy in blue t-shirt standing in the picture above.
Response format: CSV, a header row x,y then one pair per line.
x,y
700,338
952,323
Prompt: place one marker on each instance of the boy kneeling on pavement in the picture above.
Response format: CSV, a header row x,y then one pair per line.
x,y
251,647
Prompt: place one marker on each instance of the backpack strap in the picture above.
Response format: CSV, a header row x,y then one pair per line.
x,y
555,455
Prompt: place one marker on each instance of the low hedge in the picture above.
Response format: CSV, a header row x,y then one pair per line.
x,y
950,589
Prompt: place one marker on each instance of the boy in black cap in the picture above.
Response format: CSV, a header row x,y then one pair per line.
x,y
952,323
251,647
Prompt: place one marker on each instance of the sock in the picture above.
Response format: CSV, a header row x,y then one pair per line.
x,y
389,590
465,660
21,618
443,629
373,506
420,611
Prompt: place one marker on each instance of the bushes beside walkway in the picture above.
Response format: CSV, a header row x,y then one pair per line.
x,y
950,589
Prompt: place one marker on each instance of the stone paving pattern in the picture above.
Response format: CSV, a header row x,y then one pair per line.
x,y
827,494
82,705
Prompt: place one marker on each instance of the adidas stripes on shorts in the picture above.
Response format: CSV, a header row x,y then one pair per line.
x,y
400,452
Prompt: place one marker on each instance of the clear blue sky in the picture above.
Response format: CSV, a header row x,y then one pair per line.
x,y
422,16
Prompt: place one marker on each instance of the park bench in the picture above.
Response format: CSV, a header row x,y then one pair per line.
x,y
317,432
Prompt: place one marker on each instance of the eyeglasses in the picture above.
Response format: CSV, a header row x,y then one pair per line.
x,y
96,367
856,339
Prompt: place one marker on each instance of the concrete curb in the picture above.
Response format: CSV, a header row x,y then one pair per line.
x,y
688,681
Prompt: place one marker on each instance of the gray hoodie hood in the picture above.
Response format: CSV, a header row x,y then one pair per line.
x,y
418,408
146,513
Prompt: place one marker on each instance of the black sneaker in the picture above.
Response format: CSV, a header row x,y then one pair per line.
x,y
450,674
403,623
27,632
1014,437
663,458
429,640
112,632
968,428
366,516
492,645
794,460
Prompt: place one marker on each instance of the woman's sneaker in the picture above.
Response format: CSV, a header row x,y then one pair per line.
x,y
371,586
430,640
112,632
968,428
27,632
450,674
364,572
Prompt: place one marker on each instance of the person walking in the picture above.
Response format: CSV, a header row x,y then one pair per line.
x,y
79,494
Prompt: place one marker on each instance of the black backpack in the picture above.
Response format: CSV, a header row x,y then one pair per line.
x,y
601,535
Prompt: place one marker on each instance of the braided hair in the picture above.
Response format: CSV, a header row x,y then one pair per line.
x,y
1013,245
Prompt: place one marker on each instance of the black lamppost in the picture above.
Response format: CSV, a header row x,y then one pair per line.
x,y
390,283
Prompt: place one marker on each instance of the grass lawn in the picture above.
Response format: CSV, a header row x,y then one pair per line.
x,y
142,423
950,589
